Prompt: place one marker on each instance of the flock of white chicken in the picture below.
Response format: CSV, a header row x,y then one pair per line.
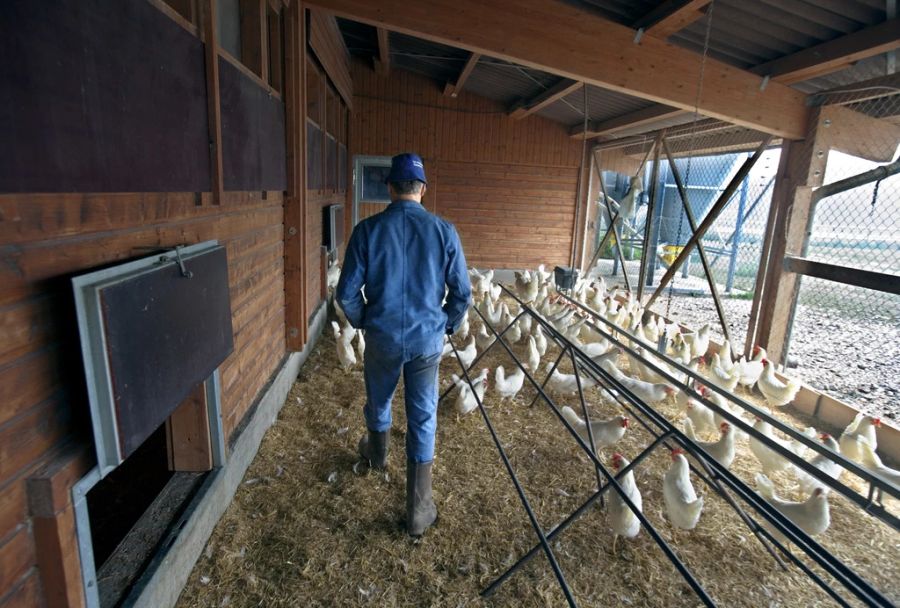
x,y
691,348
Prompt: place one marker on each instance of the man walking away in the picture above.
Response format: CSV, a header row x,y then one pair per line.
x,y
406,258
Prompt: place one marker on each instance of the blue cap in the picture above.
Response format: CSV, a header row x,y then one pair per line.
x,y
406,167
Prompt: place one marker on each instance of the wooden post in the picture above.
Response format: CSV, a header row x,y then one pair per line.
x,y
295,264
187,434
53,526
213,108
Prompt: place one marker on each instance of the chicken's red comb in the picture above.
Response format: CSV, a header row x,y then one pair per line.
x,y
625,422
824,436
877,421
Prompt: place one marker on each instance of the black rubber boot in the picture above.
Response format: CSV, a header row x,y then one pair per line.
x,y
373,447
420,509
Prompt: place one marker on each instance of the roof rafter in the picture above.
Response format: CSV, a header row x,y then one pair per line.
x,y
525,107
452,89
644,116
833,55
670,17
556,37
383,61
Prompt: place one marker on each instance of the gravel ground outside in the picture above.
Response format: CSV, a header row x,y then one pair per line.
x,y
855,360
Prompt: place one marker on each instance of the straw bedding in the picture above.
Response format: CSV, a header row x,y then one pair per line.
x,y
304,529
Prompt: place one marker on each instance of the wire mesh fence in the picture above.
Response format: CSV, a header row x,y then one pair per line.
x,y
706,163
713,167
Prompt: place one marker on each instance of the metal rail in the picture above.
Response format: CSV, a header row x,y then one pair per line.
x,y
717,474
796,460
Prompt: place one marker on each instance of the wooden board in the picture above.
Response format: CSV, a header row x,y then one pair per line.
x,y
327,43
165,333
253,140
108,97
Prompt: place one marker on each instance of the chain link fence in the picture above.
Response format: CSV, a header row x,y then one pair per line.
x,y
706,158
844,339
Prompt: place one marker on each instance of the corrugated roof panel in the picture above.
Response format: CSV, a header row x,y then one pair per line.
x,y
506,82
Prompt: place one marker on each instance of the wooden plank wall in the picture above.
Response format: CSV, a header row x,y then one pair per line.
x,y
327,43
48,238
509,185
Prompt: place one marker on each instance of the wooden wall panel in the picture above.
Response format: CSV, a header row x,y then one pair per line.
x,y
508,185
42,399
327,43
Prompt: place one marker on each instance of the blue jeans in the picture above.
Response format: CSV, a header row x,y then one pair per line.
x,y
382,369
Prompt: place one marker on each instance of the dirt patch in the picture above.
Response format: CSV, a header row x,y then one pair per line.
x,y
305,530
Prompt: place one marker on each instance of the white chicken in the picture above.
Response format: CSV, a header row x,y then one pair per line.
x,y
722,451
468,353
465,399
361,343
483,339
726,359
771,461
699,341
864,427
871,461
567,384
527,286
332,277
751,370
606,432
720,377
491,313
533,360
646,391
702,418
343,340
775,391
508,386
621,518
540,339
462,332
823,463
682,504
812,515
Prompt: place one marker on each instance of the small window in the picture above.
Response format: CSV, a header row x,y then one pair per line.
x,y
313,90
276,48
314,158
228,26
374,189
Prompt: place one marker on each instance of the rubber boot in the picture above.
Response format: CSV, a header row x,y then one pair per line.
x,y
373,447
420,509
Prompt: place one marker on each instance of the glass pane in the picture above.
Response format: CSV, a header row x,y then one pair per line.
x,y
373,186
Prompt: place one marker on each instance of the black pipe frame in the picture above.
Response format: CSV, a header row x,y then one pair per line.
x,y
836,568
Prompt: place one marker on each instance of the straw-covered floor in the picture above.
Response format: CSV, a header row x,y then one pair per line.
x,y
305,530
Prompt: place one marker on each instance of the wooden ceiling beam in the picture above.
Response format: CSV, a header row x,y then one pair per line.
x,y
557,37
833,55
383,62
452,89
526,107
638,118
670,17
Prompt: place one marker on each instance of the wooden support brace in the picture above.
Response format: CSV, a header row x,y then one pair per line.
x,y
295,263
710,218
213,107
53,526
707,269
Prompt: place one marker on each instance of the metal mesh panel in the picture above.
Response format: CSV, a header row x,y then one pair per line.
x,y
706,157
857,228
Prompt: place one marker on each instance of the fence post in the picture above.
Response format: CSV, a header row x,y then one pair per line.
x,y
736,237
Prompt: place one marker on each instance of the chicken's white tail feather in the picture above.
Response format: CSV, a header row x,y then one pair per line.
x,y
764,486
570,416
689,429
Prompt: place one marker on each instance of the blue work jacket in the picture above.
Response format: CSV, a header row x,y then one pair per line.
x,y
404,257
